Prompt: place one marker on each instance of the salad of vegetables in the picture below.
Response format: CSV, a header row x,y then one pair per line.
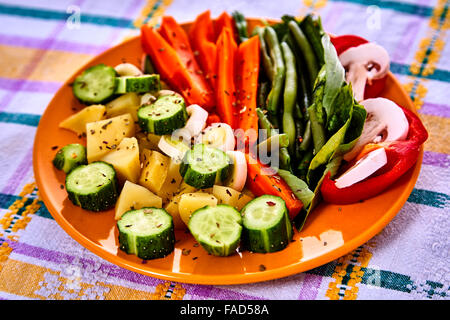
x,y
234,134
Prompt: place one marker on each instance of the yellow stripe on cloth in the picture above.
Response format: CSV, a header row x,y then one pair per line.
x,y
438,131
53,65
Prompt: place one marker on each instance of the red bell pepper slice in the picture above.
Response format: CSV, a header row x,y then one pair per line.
x,y
203,40
342,43
262,180
247,71
225,92
401,156
172,68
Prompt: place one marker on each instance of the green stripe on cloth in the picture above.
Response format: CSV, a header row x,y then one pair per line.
x,y
404,69
47,14
403,7
20,118
429,198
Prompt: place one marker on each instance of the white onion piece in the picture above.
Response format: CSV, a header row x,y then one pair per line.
x,y
128,69
239,173
218,135
197,119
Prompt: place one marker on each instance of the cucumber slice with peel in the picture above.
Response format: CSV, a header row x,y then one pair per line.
x,y
147,232
93,187
95,85
163,116
267,227
217,229
203,167
69,157
138,84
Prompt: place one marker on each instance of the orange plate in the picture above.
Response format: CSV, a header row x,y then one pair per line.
x,y
330,231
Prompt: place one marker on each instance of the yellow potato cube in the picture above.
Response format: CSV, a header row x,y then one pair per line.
x,y
154,170
77,122
189,202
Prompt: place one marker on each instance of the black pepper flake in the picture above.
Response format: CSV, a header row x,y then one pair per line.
x,y
194,258
186,252
54,147
271,203
61,186
106,124
173,180
262,267
228,192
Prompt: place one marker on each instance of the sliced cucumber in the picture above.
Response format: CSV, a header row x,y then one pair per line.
x,y
95,85
165,115
70,157
203,167
217,229
148,233
267,227
93,186
139,84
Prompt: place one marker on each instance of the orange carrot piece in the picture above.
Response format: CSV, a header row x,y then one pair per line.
x,y
225,92
247,71
203,41
175,35
212,118
224,21
262,179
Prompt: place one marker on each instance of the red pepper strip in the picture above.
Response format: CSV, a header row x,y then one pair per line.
x,y
247,71
203,40
224,21
172,69
262,180
401,156
342,43
174,34
212,118
226,51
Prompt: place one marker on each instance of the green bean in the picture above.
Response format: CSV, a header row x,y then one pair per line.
x,y
265,58
311,26
279,72
241,25
306,138
303,165
263,91
289,95
317,130
307,50
264,123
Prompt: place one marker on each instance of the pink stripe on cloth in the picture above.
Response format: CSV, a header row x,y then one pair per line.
x,y
310,287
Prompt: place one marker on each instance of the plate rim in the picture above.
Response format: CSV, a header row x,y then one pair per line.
x,y
244,278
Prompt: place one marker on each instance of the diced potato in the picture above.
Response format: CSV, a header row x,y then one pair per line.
x,y
125,160
234,198
126,103
153,139
134,196
105,135
189,202
77,122
172,206
154,170
172,182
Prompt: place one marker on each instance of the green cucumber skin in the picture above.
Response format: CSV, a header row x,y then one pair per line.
x,y
148,247
218,250
268,240
103,199
163,126
144,84
79,87
203,180
64,161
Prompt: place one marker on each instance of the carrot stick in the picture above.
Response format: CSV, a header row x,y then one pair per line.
x,y
224,21
261,180
203,40
173,70
212,118
225,92
247,71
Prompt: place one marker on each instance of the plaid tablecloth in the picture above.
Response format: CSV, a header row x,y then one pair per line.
x,y
43,42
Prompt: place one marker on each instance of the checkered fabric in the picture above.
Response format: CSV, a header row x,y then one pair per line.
x,y
43,42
